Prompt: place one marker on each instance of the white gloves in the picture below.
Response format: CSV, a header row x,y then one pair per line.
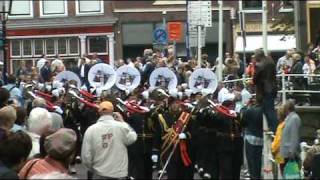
x,y
58,110
154,158
182,136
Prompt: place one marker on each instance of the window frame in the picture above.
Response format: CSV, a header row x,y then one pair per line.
x,y
23,16
78,13
54,47
249,11
20,49
68,46
42,15
57,46
284,9
88,45
34,47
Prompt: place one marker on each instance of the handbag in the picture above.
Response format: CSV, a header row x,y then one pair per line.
x,y
291,170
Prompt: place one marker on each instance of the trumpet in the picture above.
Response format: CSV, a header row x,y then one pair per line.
x,y
82,100
131,107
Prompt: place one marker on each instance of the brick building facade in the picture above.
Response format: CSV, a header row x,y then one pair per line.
x,y
67,28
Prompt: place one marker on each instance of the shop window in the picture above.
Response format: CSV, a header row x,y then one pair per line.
x,y
97,44
27,47
89,7
38,47
74,45
53,8
16,64
15,48
62,46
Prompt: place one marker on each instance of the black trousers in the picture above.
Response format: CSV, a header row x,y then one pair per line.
x,y
140,166
176,168
254,158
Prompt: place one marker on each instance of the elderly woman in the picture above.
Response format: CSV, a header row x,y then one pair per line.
x,y
7,118
60,149
39,123
290,138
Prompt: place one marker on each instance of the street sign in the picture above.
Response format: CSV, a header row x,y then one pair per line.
x,y
160,36
193,37
159,46
199,13
174,31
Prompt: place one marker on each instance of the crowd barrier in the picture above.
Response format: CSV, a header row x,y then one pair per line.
x,y
284,81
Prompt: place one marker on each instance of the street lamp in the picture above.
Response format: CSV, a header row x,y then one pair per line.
x,y
5,10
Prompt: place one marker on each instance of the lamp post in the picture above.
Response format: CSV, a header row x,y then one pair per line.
x,y
5,10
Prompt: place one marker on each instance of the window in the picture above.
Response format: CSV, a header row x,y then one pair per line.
x,y
38,47
50,47
15,48
73,46
89,7
53,8
27,47
97,44
286,6
251,5
21,9
62,46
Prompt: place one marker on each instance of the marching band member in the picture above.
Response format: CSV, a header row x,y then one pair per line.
x,y
180,166
220,141
140,163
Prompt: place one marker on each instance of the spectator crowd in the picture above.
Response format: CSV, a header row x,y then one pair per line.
x,y
41,143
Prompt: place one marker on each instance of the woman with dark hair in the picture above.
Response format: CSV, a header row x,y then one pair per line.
x,y
14,150
4,97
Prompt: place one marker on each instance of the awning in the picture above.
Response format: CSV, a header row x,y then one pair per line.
x,y
276,43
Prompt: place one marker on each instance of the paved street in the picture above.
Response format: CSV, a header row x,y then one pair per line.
x,y
82,173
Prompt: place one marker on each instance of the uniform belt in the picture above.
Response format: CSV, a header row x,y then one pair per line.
x,y
230,135
145,136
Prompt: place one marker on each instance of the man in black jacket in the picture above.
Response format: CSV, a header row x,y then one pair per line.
x,y
266,87
46,72
83,73
297,69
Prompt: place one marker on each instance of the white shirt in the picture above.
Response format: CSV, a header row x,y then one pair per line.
x,y
41,63
104,148
35,138
82,71
224,95
57,63
245,96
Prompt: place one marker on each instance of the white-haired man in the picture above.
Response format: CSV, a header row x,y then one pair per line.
x,y
38,123
104,150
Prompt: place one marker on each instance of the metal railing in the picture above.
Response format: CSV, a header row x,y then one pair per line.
x,y
285,78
